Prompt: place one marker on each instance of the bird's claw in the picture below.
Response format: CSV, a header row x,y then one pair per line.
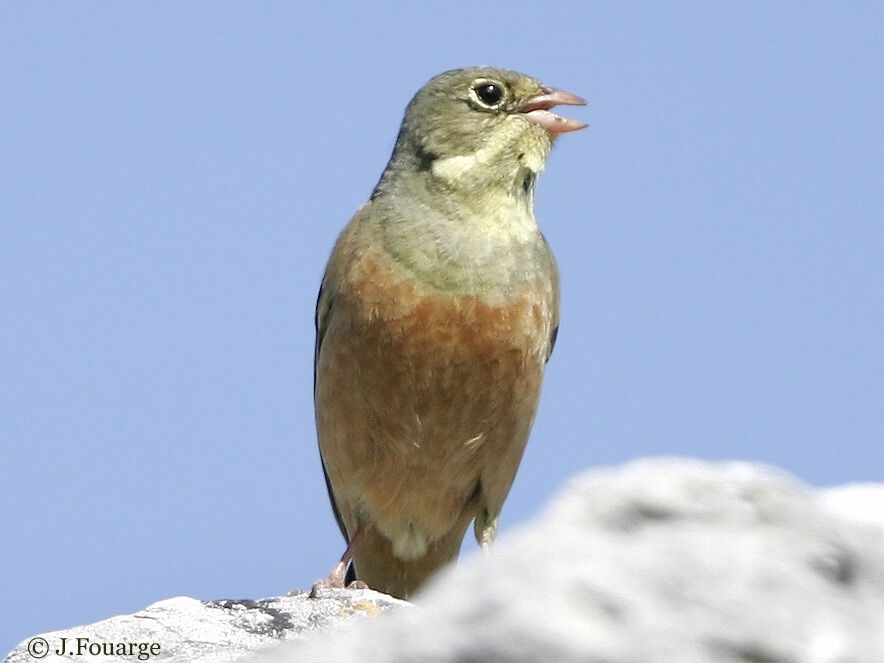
x,y
335,580
320,585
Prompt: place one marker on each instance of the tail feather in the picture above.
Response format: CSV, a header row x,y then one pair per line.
x,y
375,563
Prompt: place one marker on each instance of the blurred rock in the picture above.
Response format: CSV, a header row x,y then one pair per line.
x,y
863,502
661,560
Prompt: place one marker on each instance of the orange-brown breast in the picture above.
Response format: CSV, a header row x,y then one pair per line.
x,y
425,399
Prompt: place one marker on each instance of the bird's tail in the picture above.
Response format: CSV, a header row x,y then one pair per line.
x,y
375,563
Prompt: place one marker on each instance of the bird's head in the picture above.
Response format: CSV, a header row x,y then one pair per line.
x,y
481,127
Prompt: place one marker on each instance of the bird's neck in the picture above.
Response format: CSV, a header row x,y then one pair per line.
x,y
501,167
461,238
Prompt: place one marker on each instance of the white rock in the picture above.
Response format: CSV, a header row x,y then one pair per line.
x,y
660,560
187,630
859,501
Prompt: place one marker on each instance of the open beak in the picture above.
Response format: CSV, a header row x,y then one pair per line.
x,y
536,110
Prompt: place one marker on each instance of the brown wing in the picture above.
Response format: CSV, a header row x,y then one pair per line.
x,y
323,310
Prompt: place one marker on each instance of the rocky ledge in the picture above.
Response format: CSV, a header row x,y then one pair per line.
x,y
660,560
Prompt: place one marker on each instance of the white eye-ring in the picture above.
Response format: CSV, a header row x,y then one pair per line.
x,y
488,93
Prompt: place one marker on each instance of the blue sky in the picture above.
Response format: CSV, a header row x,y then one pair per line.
x,y
172,178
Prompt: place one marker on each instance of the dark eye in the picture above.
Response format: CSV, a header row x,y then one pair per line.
x,y
489,92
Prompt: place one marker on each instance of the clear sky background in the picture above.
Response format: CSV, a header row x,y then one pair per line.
x,y
173,176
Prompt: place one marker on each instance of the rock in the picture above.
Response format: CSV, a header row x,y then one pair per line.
x,y
857,501
187,630
660,560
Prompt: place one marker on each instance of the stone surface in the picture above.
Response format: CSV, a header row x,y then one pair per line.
x,y
863,502
660,560
188,630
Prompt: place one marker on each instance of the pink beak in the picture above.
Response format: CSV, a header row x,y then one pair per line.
x,y
536,111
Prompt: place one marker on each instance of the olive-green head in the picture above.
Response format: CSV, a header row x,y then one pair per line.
x,y
479,127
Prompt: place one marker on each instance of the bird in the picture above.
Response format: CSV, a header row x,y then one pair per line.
x,y
436,316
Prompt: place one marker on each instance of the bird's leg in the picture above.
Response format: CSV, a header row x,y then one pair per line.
x,y
485,528
336,579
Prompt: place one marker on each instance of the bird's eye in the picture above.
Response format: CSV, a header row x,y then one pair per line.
x,y
489,92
